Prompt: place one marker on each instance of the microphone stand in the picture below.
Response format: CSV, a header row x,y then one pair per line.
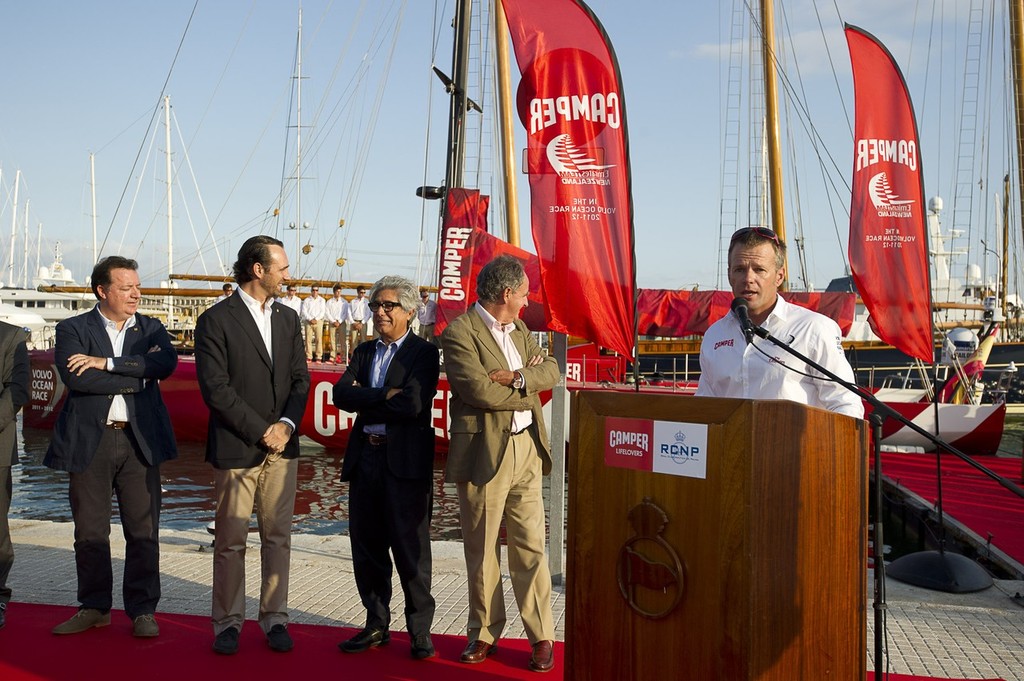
x,y
880,412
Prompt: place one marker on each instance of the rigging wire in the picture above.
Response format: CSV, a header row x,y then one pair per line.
x,y
156,109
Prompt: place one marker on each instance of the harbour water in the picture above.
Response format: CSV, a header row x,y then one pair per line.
x,y
321,504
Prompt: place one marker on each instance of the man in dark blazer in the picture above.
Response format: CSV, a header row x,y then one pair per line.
x,y
14,371
390,384
497,455
253,377
112,434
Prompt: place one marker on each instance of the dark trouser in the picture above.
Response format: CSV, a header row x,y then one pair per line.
x,y
117,467
389,512
6,548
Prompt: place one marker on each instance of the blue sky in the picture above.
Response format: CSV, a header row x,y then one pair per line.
x,y
83,78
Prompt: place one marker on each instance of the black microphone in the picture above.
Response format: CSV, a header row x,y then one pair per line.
x,y
741,309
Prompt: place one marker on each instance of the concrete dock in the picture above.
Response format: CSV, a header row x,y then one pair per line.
x,y
929,633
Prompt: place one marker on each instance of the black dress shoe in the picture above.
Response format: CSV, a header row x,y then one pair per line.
x,y
365,639
278,639
478,651
422,647
226,642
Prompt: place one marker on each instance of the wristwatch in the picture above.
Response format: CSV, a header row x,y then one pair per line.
x,y
518,382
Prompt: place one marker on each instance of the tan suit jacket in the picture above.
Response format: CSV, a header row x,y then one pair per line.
x,y
481,410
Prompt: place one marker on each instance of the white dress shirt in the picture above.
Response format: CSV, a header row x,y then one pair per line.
x,y
118,407
313,308
761,370
503,337
359,310
337,310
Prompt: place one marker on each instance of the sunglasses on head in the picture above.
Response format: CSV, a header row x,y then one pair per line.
x,y
388,305
760,231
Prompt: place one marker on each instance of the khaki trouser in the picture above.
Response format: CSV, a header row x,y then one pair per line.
x,y
314,339
272,487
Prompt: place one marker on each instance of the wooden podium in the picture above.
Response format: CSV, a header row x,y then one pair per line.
x,y
744,558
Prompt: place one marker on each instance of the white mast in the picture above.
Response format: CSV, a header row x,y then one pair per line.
x,y
24,266
170,209
14,229
298,149
92,188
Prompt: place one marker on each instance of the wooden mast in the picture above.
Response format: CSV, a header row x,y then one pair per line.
x,y
508,159
772,126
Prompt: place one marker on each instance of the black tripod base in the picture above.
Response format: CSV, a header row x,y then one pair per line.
x,y
940,571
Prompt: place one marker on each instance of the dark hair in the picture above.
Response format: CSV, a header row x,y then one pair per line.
x,y
256,249
337,287
226,287
499,274
101,272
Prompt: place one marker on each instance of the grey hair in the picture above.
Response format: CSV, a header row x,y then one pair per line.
x,y
499,274
408,292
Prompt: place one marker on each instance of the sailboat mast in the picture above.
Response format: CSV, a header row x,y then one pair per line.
x,y
457,108
298,149
772,125
92,191
1017,57
14,227
505,122
168,170
170,206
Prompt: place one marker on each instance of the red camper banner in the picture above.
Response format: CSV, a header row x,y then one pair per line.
x,y
570,102
465,248
888,238
686,313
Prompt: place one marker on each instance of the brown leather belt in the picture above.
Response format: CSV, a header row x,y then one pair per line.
x,y
376,440
118,425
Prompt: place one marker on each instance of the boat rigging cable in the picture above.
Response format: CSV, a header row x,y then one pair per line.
x,y
156,109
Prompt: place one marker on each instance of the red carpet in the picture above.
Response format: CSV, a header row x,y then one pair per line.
x,y
970,496
29,652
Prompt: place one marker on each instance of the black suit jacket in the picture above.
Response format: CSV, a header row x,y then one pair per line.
x,y
414,369
243,389
136,375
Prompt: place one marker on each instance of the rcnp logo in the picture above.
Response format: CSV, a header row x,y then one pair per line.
x,y
678,450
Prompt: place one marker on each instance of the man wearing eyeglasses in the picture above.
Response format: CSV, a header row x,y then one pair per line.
x,y
390,384
732,367
498,455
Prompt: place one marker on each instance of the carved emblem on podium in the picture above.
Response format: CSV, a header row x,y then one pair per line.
x,y
649,571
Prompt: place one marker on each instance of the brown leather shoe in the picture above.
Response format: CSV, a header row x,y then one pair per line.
x,y
478,651
543,657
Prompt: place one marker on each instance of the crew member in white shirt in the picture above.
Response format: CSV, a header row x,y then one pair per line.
x,y
291,300
337,321
312,314
226,291
427,317
730,367
358,317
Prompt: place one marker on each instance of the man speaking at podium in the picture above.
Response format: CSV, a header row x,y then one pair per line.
x,y
734,364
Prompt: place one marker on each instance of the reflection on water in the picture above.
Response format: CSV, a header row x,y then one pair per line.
x,y
321,501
